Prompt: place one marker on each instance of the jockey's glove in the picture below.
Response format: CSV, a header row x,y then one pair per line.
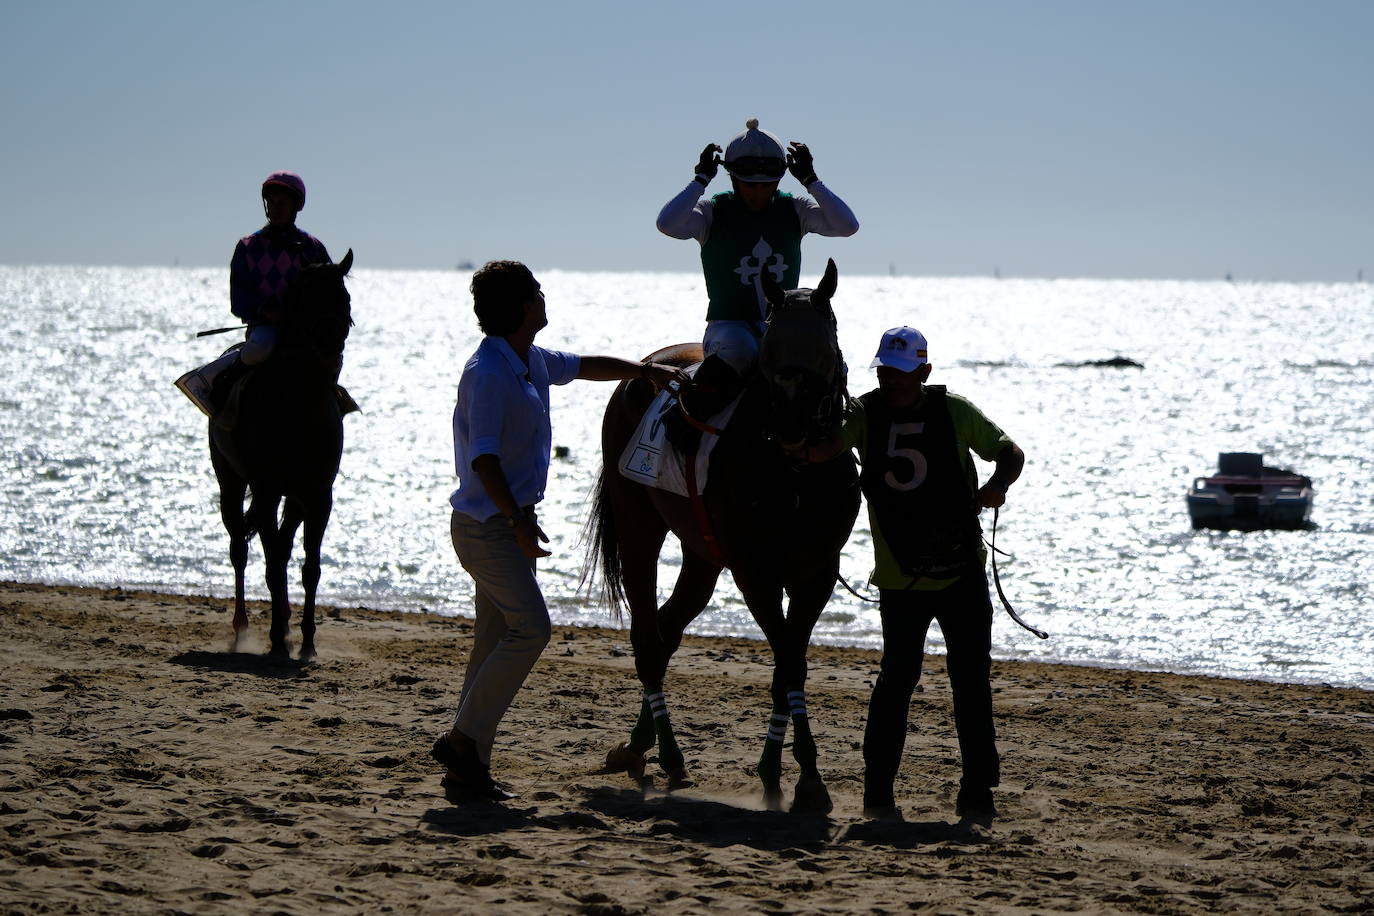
x,y
708,164
801,164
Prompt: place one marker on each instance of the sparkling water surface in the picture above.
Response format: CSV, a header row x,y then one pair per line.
x,y
107,479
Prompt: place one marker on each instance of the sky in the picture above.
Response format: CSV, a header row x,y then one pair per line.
x,y
1153,139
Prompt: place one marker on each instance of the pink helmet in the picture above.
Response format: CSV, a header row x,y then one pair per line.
x,y
289,180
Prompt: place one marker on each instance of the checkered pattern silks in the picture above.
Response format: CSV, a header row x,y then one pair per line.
x,y
264,264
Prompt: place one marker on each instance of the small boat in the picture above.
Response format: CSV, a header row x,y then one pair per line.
x,y
1245,495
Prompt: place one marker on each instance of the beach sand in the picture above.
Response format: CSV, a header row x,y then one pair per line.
x,y
145,768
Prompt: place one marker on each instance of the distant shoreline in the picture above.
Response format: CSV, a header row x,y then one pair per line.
x,y
695,274
607,630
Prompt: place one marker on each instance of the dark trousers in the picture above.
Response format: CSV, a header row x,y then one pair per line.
x,y
964,612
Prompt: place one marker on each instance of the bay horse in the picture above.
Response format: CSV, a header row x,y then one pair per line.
x,y
285,445
776,524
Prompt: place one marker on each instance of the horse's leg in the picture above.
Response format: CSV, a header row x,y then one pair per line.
x,y
788,637
276,548
316,520
657,638
238,557
763,594
808,600
232,490
631,564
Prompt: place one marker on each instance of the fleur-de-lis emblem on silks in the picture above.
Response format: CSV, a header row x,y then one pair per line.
x,y
763,257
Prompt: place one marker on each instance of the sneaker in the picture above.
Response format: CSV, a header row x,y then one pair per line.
x,y
975,802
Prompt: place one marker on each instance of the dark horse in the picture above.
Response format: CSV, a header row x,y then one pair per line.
x,y
778,525
285,444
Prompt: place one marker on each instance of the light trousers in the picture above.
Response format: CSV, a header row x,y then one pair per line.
x,y
512,625
736,342
258,344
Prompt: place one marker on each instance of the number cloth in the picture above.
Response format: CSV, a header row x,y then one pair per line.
x,y
917,462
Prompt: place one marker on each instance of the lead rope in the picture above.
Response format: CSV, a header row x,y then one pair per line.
x,y
997,581
849,588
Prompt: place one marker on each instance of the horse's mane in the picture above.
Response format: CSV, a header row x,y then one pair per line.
x,y
318,309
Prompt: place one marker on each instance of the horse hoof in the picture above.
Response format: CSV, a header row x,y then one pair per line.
x,y
812,797
772,798
307,653
677,779
280,653
620,759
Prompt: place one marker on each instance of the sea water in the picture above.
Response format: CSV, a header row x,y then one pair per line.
x,y
107,479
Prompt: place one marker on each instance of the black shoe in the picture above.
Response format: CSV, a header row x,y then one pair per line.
x,y
975,803
464,763
458,790
468,778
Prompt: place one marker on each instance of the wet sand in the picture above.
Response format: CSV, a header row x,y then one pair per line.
x,y
144,767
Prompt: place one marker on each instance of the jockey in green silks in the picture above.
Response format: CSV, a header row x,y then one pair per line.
x,y
742,232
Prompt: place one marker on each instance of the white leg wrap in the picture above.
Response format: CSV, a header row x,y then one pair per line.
x,y
797,700
777,727
658,704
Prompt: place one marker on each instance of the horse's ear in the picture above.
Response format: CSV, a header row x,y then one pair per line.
x,y
346,264
829,281
772,292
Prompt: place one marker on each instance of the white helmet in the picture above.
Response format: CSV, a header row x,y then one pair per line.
x,y
755,155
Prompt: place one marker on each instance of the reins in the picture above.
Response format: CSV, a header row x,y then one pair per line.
x,y
678,393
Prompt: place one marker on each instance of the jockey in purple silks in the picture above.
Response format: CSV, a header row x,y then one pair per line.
x,y
263,265
265,262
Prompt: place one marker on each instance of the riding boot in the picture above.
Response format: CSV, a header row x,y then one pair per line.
x,y
714,386
225,393
346,403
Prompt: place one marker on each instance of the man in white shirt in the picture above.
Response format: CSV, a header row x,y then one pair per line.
x,y
501,440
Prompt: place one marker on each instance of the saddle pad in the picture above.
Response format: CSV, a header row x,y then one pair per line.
x,y
652,460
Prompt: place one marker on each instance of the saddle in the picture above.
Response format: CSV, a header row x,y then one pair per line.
x,y
216,388
226,416
653,458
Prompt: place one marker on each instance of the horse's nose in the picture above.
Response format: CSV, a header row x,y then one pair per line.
x,y
788,380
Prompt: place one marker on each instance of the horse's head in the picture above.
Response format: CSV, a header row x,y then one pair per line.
x,y
800,360
317,310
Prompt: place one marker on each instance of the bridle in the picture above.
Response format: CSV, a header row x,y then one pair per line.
x,y
312,325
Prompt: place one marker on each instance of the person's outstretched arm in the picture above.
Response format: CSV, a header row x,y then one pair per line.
x,y
614,369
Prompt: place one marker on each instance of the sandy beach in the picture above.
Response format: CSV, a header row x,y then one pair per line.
x,y
146,768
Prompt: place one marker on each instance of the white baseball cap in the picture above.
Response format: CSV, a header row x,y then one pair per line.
x,y
903,349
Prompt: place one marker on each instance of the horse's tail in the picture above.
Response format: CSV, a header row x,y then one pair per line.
x,y
603,550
